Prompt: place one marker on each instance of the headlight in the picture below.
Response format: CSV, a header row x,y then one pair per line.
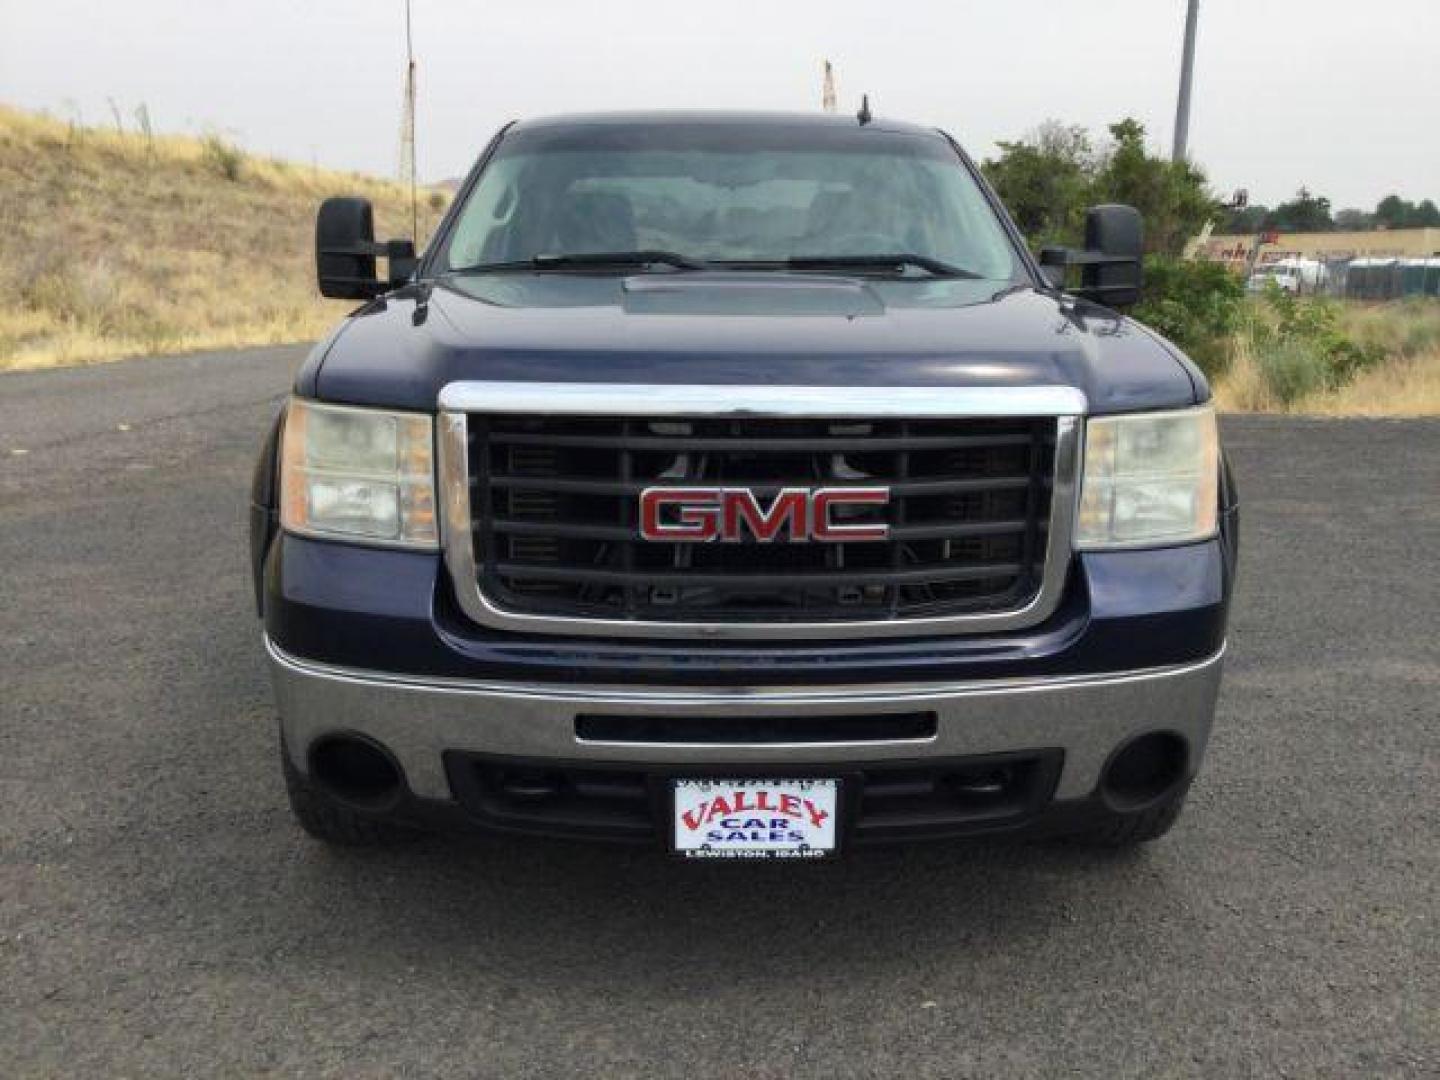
x,y
358,474
1150,479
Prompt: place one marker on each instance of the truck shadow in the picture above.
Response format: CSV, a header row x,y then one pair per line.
x,y
606,914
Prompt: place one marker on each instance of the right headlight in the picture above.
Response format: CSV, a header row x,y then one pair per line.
x,y
1150,479
364,475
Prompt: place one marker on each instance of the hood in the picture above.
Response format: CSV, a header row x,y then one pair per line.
x,y
743,328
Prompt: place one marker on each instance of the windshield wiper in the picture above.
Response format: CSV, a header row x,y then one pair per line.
x,y
598,260
886,261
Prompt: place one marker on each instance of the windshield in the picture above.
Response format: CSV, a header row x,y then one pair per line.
x,y
762,203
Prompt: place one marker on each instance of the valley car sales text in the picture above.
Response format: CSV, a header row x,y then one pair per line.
x,y
735,820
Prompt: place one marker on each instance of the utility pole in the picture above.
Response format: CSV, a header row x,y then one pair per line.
x,y
1187,68
827,92
407,131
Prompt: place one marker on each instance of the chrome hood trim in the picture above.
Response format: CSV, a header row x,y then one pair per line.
x,y
805,402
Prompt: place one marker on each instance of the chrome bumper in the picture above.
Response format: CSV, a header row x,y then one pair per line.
x,y
418,719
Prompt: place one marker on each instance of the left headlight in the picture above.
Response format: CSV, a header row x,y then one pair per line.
x,y
1150,479
358,474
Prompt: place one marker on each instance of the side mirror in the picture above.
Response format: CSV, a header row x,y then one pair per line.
x,y
1116,233
345,252
1110,264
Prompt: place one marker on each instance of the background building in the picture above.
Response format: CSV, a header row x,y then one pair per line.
x,y
1376,264
1325,246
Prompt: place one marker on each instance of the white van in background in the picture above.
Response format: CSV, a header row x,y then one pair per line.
x,y
1292,275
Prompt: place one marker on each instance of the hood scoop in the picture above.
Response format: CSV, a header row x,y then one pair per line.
x,y
749,295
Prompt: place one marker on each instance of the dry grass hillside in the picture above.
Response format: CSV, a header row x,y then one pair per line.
x,y
119,245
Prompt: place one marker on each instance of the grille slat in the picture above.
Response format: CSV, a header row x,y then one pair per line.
x,y
555,503
621,533
919,575
582,486
834,444
628,516
894,594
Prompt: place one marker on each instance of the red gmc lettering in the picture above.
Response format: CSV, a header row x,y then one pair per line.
x,y
699,515
791,506
823,528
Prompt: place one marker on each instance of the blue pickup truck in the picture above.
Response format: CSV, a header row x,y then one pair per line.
x,y
740,484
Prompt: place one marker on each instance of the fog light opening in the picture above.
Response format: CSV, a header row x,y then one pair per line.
x,y
1145,770
355,770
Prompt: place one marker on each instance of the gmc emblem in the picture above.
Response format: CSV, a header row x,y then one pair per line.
x,y
700,515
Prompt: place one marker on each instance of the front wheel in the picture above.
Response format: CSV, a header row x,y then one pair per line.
x,y
1117,830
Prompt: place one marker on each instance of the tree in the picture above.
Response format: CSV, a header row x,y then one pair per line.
x,y
1304,213
1050,177
1393,212
1352,220
1249,219
1044,181
1172,196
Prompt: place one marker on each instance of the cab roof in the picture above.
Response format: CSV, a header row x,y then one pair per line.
x,y
722,131
690,118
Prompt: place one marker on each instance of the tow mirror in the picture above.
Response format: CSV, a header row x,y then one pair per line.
x,y
345,252
1110,264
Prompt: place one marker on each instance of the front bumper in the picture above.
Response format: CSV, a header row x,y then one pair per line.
x,y
368,642
1077,722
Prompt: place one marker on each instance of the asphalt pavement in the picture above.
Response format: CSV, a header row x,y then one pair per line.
x,y
160,915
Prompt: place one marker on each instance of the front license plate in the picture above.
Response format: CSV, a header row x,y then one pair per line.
x,y
755,819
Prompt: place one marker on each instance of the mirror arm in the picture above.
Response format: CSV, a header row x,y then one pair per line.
x,y
1056,260
1101,290
1097,258
390,249
399,256
1059,256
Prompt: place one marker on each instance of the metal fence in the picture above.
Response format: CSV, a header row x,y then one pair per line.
x,y
1363,278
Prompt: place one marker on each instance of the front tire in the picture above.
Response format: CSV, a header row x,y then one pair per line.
x,y
1117,830
327,819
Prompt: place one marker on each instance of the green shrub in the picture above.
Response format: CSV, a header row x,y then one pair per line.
x,y
1195,304
1293,368
224,158
1300,346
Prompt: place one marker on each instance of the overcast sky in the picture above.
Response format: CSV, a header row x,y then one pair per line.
x,y
1339,95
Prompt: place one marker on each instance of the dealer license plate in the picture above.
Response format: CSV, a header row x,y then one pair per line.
x,y
755,819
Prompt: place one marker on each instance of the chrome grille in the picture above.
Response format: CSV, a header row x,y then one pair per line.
x,y
554,504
